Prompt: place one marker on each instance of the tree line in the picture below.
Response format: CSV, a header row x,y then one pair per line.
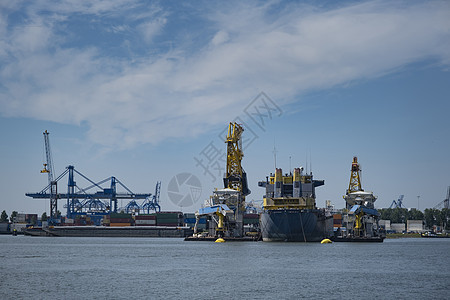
x,y
431,216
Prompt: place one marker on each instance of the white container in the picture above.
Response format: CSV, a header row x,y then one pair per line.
x,y
398,227
145,222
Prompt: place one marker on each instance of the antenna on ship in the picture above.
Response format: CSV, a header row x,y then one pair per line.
x,y
290,170
307,162
275,155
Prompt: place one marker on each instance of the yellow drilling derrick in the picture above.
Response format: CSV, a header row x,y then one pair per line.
x,y
355,178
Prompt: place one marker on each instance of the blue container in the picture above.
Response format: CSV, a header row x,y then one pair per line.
x,y
192,220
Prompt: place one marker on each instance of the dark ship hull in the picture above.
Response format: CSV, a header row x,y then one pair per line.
x,y
295,225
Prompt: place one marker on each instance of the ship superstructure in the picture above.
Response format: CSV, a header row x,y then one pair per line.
x,y
290,212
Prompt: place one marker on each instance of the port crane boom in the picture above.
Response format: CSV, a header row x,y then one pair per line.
x,y
48,168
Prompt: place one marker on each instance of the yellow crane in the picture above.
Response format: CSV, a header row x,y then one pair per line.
x,y
228,204
235,177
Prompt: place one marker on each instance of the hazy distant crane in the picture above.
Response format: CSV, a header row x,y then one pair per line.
x,y
399,203
445,202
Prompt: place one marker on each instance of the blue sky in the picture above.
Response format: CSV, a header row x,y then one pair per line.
x,y
138,90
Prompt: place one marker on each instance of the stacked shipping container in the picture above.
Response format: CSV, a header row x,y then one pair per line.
x,y
169,218
145,220
120,220
337,220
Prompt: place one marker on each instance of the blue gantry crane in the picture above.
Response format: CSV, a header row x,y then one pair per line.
x,y
86,201
82,201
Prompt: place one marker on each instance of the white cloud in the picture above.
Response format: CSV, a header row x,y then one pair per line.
x,y
220,38
150,29
183,92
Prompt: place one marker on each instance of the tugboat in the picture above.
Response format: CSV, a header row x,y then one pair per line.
x,y
290,213
361,220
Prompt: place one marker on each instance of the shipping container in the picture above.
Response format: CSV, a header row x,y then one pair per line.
x,y
414,226
398,227
119,220
4,228
337,216
251,221
192,220
251,216
169,215
145,217
121,215
145,222
189,220
119,224
20,218
168,224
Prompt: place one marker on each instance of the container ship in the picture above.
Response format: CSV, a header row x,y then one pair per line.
x,y
290,213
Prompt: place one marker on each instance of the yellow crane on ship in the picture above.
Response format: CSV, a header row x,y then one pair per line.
x,y
235,177
228,204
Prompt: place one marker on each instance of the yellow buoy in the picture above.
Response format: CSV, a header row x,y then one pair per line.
x,y
220,240
326,241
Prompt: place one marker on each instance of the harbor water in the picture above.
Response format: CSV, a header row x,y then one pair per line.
x,y
170,268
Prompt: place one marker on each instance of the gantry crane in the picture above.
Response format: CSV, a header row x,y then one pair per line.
x,y
83,201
